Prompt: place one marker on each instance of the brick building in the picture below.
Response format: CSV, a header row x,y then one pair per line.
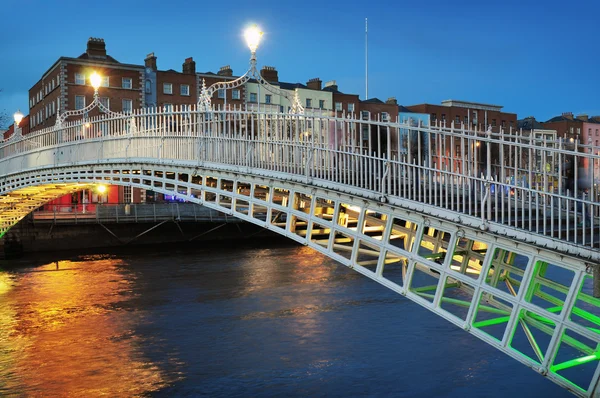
x,y
24,125
566,126
473,114
65,86
342,103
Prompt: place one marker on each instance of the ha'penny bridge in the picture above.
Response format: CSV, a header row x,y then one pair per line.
x,y
471,225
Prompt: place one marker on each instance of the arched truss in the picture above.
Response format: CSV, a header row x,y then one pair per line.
x,y
535,305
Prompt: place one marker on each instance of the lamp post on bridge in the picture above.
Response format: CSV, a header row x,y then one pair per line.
x,y
252,36
18,117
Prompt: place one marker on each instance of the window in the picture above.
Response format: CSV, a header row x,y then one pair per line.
x,y
267,98
322,104
104,82
126,82
127,105
168,107
79,78
571,130
79,102
589,131
384,116
184,89
433,117
457,120
52,84
350,107
504,123
148,87
466,120
493,122
221,93
235,94
167,88
365,115
443,117
105,101
338,106
252,97
512,124
309,103
596,132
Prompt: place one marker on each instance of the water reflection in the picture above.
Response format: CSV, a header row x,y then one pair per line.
x,y
62,336
222,321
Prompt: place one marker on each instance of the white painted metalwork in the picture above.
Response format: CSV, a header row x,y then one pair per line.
x,y
253,38
460,221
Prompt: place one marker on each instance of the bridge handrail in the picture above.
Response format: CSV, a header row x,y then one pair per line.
x,y
504,178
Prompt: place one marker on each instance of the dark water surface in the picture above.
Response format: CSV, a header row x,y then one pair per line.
x,y
258,320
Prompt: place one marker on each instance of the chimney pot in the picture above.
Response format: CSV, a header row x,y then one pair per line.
x,y
150,61
225,71
314,84
269,73
96,48
189,66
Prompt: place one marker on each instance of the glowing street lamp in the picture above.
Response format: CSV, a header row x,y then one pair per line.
x,y
253,35
95,80
18,116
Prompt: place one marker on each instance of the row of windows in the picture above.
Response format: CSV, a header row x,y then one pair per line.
x,y
48,87
44,113
590,132
338,107
126,82
184,89
127,104
465,120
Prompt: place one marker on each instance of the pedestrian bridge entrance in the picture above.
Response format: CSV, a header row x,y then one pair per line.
x,y
421,210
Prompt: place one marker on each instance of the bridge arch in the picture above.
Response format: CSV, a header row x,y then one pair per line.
x,y
502,288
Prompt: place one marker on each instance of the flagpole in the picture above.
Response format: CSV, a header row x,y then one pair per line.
x,y
366,60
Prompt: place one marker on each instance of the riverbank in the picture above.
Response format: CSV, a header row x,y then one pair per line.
x,y
27,237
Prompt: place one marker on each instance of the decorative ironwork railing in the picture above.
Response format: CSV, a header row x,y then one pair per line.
x,y
539,187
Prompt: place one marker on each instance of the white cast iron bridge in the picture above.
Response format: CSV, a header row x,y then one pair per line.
x,y
475,226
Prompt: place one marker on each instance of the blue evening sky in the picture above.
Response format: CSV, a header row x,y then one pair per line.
x,y
534,57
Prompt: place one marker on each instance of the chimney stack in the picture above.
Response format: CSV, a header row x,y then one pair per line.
x,y
583,117
568,115
150,61
225,71
331,84
314,84
96,48
269,73
392,100
189,66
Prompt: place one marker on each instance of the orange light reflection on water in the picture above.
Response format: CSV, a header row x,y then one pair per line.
x,y
66,332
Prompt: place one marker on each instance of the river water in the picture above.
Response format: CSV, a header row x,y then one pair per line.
x,y
254,319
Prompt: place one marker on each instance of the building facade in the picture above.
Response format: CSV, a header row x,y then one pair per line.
x,y
472,115
65,86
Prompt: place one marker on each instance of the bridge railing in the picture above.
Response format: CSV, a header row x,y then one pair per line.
x,y
127,213
544,187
